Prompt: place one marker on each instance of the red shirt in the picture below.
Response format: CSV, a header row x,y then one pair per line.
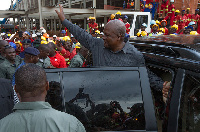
x,y
120,19
182,21
93,26
166,31
195,18
188,18
67,55
127,25
64,53
171,13
58,61
164,8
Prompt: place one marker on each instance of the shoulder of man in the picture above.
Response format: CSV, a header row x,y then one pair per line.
x,y
131,48
5,64
18,60
65,117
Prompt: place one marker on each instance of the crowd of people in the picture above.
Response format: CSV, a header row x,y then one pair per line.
x,y
173,22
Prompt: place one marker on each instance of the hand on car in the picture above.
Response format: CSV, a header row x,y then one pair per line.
x,y
166,87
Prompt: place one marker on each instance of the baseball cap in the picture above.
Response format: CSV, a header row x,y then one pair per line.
x,y
32,51
152,22
191,23
63,31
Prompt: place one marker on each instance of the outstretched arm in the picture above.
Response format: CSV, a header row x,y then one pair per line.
x,y
80,34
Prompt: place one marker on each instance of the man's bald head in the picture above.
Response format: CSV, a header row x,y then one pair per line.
x,y
3,43
118,27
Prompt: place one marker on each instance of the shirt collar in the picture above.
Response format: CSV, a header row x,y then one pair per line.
x,y
32,105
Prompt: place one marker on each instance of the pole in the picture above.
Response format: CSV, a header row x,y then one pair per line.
x,y
40,12
105,20
84,4
54,24
94,4
69,2
27,23
17,9
95,14
85,23
14,24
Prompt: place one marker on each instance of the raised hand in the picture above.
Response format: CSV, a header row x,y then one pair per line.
x,y
61,14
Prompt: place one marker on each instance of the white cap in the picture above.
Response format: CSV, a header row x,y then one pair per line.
x,y
34,35
54,36
144,24
42,30
191,23
171,0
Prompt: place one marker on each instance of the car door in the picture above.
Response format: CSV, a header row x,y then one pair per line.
x,y
108,99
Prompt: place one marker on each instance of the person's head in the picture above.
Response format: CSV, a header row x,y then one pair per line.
x,y
31,55
183,12
44,51
92,19
73,38
188,29
177,12
10,53
143,27
152,22
18,47
3,43
161,30
112,16
174,28
26,35
114,33
171,2
54,37
52,48
26,43
63,33
188,10
155,28
163,23
196,11
67,45
117,15
125,19
31,83
193,24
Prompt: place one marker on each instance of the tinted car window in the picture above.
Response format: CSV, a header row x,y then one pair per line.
x,y
106,100
55,95
189,119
